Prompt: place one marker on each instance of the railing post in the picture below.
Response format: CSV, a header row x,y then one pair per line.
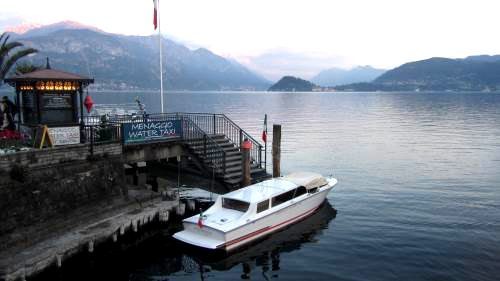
x,y
215,131
92,140
205,145
260,156
241,137
223,162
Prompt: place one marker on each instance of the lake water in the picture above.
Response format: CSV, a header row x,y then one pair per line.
x,y
418,195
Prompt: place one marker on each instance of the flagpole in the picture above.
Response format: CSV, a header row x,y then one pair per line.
x,y
161,63
265,144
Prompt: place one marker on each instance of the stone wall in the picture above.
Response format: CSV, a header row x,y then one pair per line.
x,y
39,187
57,155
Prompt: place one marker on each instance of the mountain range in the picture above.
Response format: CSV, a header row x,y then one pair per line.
x,y
339,76
121,62
474,73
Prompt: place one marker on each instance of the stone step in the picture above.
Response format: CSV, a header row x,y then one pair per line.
x,y
201,147
236,168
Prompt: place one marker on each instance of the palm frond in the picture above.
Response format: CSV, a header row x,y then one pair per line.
x,y
12,59
5,40
5,49
1,36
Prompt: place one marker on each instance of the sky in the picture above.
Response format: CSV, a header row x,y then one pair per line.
x,y
297,37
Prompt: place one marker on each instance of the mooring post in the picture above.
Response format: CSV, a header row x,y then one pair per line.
x,y
59,260
276,150
245,162
91,246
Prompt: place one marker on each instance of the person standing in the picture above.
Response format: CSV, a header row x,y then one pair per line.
x,y
8,109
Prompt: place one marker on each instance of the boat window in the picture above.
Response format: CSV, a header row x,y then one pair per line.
x,y
300,191
282,198
262,206
234,204
313,190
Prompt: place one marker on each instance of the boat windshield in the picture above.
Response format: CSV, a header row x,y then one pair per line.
x,y
234,204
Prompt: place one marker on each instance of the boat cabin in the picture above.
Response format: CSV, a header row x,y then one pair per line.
x,y
272,193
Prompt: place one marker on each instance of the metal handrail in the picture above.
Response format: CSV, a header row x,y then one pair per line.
x,y
209,123
210,145
220,123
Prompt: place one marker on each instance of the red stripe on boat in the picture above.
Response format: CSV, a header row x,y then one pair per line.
x,y
267,228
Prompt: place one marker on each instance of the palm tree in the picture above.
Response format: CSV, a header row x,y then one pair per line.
x,y
6,60
25,67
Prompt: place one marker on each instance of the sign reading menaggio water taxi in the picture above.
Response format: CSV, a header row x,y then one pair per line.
x,y
150,131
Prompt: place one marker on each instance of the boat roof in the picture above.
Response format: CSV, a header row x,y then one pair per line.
x,y
307,179
267,189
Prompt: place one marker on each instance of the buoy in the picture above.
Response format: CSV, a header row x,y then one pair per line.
x,y
122,230
115,237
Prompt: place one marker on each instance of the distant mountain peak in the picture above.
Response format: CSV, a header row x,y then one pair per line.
x,y
483,58
292,84
131,62
339,76
22,28
32,29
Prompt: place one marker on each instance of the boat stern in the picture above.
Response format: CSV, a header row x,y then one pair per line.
x,y
205,237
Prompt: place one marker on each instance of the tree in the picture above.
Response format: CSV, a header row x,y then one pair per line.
x,y
7,60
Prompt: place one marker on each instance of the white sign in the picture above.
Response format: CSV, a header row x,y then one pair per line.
x,y
65,135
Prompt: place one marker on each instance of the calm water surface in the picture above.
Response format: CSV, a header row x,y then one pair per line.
x,y
418,195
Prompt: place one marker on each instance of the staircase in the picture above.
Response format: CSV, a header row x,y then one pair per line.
x,y
219,151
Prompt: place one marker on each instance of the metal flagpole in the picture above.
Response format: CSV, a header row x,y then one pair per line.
x,y
161,63
265,143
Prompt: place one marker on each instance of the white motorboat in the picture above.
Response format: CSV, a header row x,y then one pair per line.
x,y
244,215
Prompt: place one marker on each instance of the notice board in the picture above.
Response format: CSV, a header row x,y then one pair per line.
x,y
65,135
142,132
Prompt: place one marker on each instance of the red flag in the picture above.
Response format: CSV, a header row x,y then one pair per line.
x,y
200,220
155,17
264,130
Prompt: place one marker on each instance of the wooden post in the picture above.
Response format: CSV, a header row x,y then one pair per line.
x,y
245,162
276,150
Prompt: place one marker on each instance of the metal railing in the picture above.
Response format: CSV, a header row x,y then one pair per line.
x,y
208,123
220,124
100,134
210,149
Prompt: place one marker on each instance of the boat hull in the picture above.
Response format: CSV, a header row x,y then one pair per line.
x,y
289,214
280,217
